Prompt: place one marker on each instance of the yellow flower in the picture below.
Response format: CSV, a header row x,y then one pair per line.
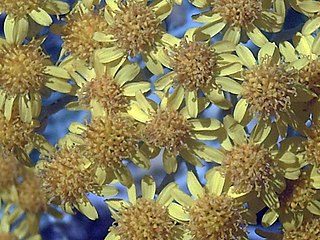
x,y
104,87
9,170
170,128
20,12
299,200
25,73
271,90
308,230
143,217
307,7
108,140
211,212
67,177
135,28
199,67
236,18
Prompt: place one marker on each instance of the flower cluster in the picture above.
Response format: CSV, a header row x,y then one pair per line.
x,y
149,96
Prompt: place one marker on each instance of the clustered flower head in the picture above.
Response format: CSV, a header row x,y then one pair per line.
x,y
234,100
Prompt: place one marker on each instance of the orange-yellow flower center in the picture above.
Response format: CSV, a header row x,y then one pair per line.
x,y
79,32
8,169
310,75
216,217
298,193
20,8
238,13
195,65
67,176
312,145
135,27
31,197
307,230
106,92
268,88
168,129
249,167
14,133
22,68
111,139
146,219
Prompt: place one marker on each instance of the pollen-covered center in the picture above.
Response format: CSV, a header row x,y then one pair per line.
x,y
31,197
309,75
106,92
146,219
67,177
8,236
135,26
79,32
307,230
14,133
249,167
8,169
168,129
216,217
312,145
195,65
238,13
268,88
111,139
20,8
298,193
22,68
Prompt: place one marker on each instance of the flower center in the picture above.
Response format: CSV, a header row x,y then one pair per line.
x,y
66,177
238,13
216,217
8,236
135,26
298,193
15,133
310,76
78,34
20,8
268,88
195,65
250,167
31,197
146,219
109,140
22,68
8,169
168,129
307,230
312,145
105,91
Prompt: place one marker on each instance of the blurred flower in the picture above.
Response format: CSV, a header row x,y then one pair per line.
x,y
307,7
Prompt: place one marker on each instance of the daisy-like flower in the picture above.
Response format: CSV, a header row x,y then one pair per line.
x,y
20,12
135,28
143,217
300,200
107,141
25,72
104,87
271,90
237,18
68,176
198,67
307,7
82,25
211,212
171,129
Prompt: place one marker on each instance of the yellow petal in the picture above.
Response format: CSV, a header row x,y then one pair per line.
x,y
211,29
130,89
203,124
136,112
132,194
192,103
181,197
107,191
188,156
270,50
57,7
41,17
148,187
8,106
57,72
110,54
314,207
311,26
215,182
88,210
217,97
153,64
240,110
288,51
143,103
232,34
169,162
25,109
15,30
177,212
269,218
256,36
229,85
245,56
127,73
175,100
164,81
165,197
59,85
194,186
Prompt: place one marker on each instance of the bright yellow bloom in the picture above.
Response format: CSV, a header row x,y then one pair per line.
x,y
135,28
271,90
146,217
20,12
238,17
212,212
198,67
172,129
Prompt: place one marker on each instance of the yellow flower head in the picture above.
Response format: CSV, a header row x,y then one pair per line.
x,y
9,169
308,230
143,217
312,145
